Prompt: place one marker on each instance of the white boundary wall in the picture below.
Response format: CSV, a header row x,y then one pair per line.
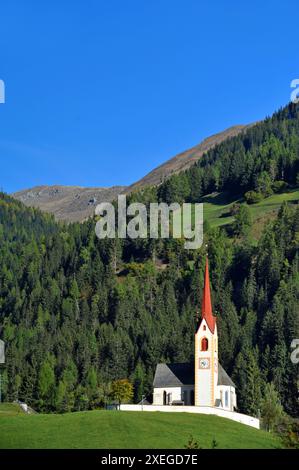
x,y
206,410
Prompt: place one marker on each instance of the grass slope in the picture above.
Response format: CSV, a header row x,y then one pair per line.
x,y
10,409
217,206
127,430
217,209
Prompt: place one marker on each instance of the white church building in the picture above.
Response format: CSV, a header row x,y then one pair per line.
x,y
202,386
202,383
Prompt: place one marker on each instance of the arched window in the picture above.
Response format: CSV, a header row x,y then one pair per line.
x,y
164,398
204,328
204,344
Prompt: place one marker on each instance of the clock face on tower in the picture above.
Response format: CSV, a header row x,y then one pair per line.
x,y
204,363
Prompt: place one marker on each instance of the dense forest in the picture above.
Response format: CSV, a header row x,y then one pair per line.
x,y
77,312
261,160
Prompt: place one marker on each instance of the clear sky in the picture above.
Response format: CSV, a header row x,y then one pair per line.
x,y
100,92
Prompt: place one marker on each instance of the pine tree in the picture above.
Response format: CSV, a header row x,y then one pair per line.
x,y
46,382
271,408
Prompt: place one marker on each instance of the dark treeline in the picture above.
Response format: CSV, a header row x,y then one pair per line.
x,y
77,313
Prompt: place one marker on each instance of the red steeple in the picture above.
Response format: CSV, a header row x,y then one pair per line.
x,y
206,309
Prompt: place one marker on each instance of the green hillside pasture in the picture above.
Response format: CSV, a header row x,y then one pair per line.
x,y
127,430
10,409
217,206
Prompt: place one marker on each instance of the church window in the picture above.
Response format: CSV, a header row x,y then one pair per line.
x,y
204,328
226,399
204,344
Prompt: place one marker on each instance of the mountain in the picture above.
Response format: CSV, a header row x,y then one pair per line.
x,y
75,203
69,203
185,159
78,313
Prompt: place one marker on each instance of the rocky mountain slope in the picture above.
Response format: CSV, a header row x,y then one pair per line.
x,y
185,159
69,203
75,203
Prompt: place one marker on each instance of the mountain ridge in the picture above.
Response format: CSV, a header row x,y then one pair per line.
x,y
187,158
77,203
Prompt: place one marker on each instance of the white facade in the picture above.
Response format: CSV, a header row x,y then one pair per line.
x,y
227,397
167,395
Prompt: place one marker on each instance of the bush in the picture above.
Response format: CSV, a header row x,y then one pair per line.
x,y
235,208
288,430
192,444
279,186
252,197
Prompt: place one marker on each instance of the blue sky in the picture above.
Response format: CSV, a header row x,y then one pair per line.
x,y
100,92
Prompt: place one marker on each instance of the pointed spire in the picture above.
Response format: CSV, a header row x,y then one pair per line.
x,y
206,310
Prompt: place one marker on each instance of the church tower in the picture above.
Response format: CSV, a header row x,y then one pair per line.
x,y
206,350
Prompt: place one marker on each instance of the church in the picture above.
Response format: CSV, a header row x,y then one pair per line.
x,y
202,383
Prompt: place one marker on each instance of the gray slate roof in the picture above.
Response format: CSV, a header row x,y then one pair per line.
x,y
176,375
223,377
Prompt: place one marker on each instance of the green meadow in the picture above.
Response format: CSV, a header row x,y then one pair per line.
x,y
217,209
126,430
217,206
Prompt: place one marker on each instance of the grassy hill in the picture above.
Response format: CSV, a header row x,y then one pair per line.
x,y
10,409
217,206
217,209
115,429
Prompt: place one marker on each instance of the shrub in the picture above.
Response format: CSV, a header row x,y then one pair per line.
x,y
288,430
192,444
235,208
279,186
252,197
